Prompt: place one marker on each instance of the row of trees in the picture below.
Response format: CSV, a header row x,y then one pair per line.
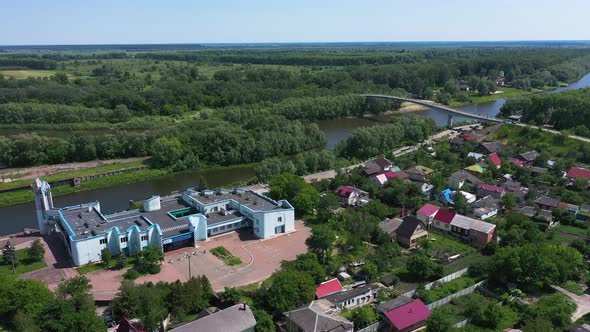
x,y
22,113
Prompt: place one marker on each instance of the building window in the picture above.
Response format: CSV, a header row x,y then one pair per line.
x,y
124,239
256,221
144,237
103,241
280,219
222,228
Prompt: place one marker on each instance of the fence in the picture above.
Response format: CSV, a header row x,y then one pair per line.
x,y
461,323
373,327
449,298
442,280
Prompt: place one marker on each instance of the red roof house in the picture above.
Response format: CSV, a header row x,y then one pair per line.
x,y
578,173
427,212
408,317
442,220
328,287
485,189
495,159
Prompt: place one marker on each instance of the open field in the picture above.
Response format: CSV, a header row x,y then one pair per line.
x,y
24,263
26,73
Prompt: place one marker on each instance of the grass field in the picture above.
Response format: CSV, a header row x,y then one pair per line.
x,y
26,73
450,245
503,93
449,288
226,256
572,230
24,263
464,262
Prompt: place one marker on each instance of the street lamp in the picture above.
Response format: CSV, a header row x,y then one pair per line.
x,y
188,256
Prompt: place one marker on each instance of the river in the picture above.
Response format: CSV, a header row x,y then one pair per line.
x,y
116,198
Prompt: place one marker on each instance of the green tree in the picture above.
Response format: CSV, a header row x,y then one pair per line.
x,y
422,267
509,201
106,256
308,263
9,256
286,290
264,322
306,199
37,251
151,258
440,320
460,203
230,296
120,261
363,316
321,241
556,308
538,324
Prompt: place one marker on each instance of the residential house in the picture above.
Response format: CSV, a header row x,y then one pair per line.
x,y
381,179
495,159
527,158
536,171
476,168
575,173
485,189
485,207
317,316
410,231
478,233
442,220
419,173
570,208
528,211
475,155
517,190
393,303
548,202
408,317
127,325
469,197
390,226
458,179
426,213
516,161
490,147
351,196
359,296
237,318
327,288
461,139
376,166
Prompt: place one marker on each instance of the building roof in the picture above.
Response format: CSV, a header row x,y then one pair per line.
x,y
390,175
475,155
488,202
390,226
345,191
570,207
539,170
463,175
408,314
516,162
408,227
421,170
529,156
328,287
495,159
428,210
394,303
249,199
235,318
528,211
382,162
351,293
476,168
444,216
578,172
548,201
491,188
492,147
463,222
482,226
467,136
312,317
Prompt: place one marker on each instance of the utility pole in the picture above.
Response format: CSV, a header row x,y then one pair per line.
x,y
188,256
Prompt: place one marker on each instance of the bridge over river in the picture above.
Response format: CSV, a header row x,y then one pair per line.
x,y
437,106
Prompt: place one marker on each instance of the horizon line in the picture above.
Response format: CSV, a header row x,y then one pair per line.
x,y
307,42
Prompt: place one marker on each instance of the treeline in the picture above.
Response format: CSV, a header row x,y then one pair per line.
x,y
568,110
183,146
322,108
27,61
24,113
372,141
302,164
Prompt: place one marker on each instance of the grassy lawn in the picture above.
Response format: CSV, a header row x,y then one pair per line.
x,y
443,290
464,262
573,287
572,230
26,73
89,268
24,263
74,173
503,93
449,245
226,256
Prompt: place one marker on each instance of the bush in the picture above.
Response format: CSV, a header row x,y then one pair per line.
x,y
226,256
131,274
121,262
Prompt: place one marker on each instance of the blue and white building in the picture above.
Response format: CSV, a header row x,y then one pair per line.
x,y
171,223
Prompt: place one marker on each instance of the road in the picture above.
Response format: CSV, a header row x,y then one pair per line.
x,y
449,133
553,131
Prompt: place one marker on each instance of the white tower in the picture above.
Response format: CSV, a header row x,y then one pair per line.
x,y
43,202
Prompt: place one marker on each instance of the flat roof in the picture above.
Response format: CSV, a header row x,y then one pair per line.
x,y
85,221
217,217
348,294
249,199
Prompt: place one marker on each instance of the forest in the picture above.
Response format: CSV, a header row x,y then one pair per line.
x,y
231,106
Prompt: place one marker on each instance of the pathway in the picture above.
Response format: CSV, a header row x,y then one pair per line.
x,y
582,303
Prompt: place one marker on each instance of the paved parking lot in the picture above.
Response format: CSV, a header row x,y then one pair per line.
x,y
260,258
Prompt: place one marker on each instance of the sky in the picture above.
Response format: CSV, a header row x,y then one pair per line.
x,y
58,22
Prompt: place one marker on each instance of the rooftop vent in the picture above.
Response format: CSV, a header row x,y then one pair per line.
x,y
93,233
